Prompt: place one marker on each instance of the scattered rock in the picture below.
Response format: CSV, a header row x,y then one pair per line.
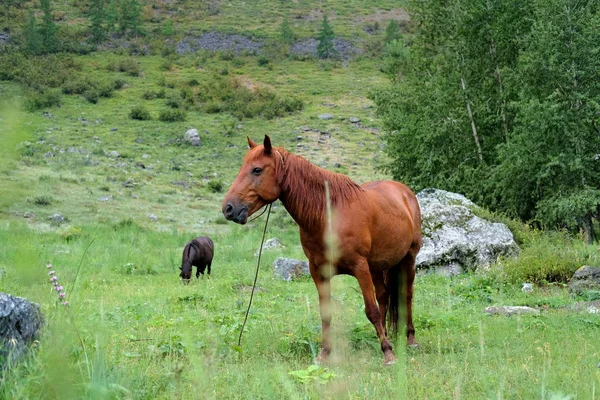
x,y
343,48
20,324
305,128
453,234
289,269
114,154
28,214
326,116
192,137
4,38
510,310
57,218
49,154
527,287
105,198
584,279
215,41
271,244
153,217
129,183
145,156
592,307
354,120
139,140
113,129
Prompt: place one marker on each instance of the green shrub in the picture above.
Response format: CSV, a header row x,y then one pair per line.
x,y
43,200
44,99
119,83
215,186
140,113
127,65
262,61
91,95
174,102
172,115
548,257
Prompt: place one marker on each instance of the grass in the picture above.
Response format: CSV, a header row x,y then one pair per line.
x,y
135,194
148,336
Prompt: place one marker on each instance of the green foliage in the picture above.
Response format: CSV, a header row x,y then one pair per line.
x,y
39,100
172,115
112,16
33,40
548,257
140,113
97,19
313,373
488,101
285,32
325,46
168,29
215,186
392,32
47,29
127,65
130,17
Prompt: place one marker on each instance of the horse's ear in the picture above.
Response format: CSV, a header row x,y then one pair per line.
x,y
267,144
251,143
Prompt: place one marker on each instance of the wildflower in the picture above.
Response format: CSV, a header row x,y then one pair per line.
x,y
48,265
51,272
58,288
60,291
61,295
65,303
54,279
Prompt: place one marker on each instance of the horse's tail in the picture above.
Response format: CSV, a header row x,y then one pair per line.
x,y
394,289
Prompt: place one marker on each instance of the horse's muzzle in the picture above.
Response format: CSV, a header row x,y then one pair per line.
x,y
237,214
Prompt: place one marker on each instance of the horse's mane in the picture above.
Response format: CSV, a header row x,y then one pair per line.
x,y
303,187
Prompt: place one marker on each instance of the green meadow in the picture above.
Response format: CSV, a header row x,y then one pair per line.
x,y
132,193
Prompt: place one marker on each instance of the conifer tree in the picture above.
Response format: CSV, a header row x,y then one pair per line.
x,y
47,29
97,18
325,47
392,32
287,35
33,41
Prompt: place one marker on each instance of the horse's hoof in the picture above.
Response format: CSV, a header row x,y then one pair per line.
x,y
391,360
322,358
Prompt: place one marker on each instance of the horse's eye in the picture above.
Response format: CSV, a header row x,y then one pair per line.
x,y
256,171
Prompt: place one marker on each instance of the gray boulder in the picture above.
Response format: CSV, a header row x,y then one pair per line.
x,y
20,324
289,269
584,279
192,137
453,236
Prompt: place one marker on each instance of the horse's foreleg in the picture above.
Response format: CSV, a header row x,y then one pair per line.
x,y
373,312
324,289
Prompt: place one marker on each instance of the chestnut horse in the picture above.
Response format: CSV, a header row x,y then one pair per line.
x,y
377,230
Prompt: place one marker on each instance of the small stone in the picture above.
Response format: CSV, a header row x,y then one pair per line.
x,y
510,310
527,287
113,129
28,214
114,153
305,128
105,198
325,116
354,120
57,218
145,156
153,217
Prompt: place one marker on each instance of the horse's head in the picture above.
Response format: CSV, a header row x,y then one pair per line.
x,y
186,272
256,184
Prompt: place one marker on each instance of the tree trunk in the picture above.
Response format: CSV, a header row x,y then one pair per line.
x,y
473,126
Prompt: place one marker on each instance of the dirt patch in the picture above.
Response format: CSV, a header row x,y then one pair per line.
x,y
398,14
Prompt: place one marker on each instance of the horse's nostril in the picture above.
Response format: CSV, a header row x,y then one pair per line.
x,y
228,210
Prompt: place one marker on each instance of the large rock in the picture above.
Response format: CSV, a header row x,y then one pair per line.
x,y
510,310
584,279
192,137
289,269
20,323
454,237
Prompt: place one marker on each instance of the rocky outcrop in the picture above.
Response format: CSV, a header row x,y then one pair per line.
x,y
585,279
20,324
456,239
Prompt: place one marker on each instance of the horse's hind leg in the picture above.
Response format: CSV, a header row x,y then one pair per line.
x,y
407,276
208,266
381,294
366,282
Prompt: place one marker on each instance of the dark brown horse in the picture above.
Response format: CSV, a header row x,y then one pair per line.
x,y
199,253
377,229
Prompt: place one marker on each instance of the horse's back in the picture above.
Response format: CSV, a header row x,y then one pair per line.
x,y
395,220
205,248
